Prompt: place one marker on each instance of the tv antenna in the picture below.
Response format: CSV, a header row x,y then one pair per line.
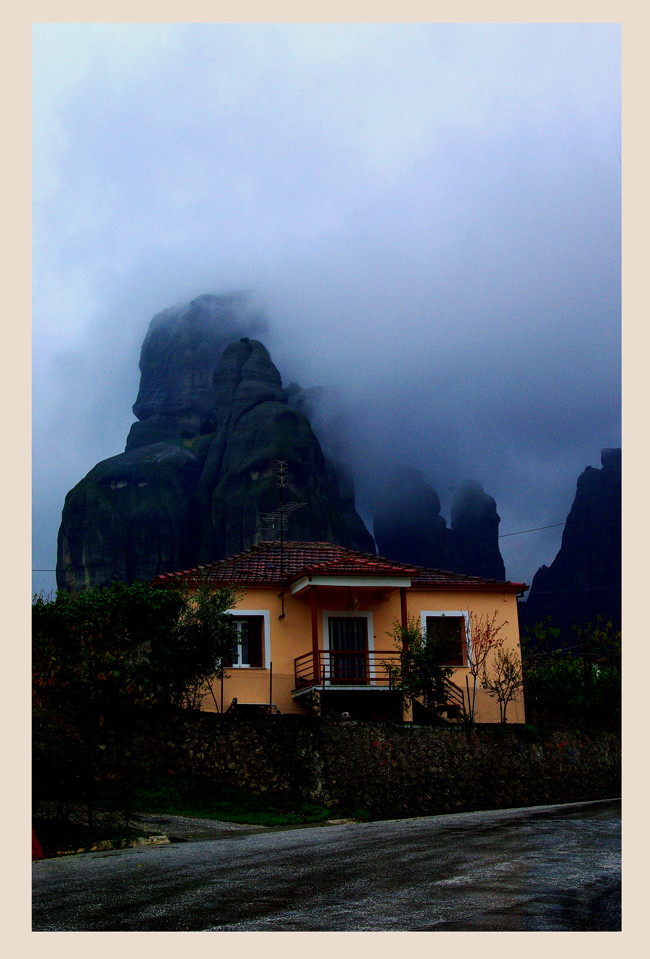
x,y
273,522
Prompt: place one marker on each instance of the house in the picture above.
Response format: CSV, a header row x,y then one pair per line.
x,y
315,624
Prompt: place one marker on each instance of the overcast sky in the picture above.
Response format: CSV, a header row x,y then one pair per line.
x,y
428,214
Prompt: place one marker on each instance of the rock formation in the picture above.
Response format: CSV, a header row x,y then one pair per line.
x,y
199,473
408,527
584,579
177,365
475,533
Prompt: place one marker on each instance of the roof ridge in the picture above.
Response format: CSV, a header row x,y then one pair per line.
x,y
260,563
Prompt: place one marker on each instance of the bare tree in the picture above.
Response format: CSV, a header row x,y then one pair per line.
x,y
483,639
505,678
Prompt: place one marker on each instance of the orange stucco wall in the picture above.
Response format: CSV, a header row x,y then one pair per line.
x,y
481,603
291,636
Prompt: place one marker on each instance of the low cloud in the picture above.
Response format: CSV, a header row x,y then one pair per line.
x,y
429,215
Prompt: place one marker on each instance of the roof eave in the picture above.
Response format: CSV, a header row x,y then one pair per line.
x,y
347,580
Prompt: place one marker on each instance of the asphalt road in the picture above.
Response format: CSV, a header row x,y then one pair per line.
x,y
554,868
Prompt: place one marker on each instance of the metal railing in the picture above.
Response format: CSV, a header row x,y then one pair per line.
x,y
332,667
367,668
455,697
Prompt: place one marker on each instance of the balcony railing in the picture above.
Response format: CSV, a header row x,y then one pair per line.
x,y
334,668
369,668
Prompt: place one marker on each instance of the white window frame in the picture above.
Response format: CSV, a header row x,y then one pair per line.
x,y
456,613
266,638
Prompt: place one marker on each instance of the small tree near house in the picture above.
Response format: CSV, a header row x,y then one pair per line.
x,y
504,678
420,673
485,639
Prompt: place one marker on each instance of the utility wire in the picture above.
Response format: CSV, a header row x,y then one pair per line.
x,y
501,535
533,530
583,522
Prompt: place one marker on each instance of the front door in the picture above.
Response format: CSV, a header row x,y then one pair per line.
x,y
348,638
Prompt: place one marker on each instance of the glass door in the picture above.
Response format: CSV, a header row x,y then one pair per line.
x,y
348,638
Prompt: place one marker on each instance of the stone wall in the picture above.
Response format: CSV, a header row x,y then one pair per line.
x,y
389,770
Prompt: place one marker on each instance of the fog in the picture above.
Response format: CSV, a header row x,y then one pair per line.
x,y
428,215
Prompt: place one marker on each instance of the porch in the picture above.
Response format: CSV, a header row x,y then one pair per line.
x,y
348,676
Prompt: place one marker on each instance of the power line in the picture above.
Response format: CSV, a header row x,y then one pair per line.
x,y
533,530
520,532
582,521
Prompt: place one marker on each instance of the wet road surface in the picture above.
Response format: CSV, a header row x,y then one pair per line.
x,y
541,869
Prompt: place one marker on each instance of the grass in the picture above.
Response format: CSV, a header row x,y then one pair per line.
x,y
183,797
195,799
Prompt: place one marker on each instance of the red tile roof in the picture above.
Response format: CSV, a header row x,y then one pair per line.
x,y
263,565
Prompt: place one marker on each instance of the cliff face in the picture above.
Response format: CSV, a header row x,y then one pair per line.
x,y
408,527
198,475
584,579
179,356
